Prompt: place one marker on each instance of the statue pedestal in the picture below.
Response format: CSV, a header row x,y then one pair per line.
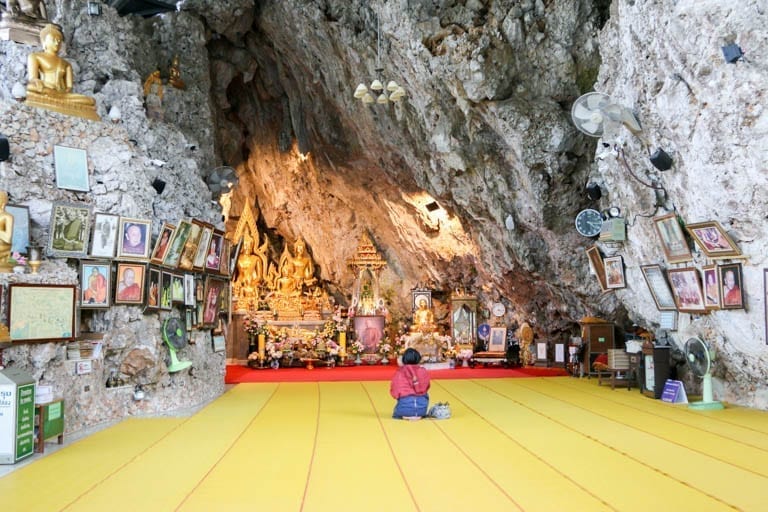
x,y
12,29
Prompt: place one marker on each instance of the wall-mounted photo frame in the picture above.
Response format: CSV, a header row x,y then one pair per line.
x,y
219,343
166,281
421,295
189,290
686,289
713,240
95,284
153,288
672,238
711,280
105,234
130,283
191,247
498,339
71,166
202,246
614,272
213,290
20,240
177,289
731,286
41,312
765,301
598,268
162,244
134,238
213,258
180,236
659,287
226,248
189,321
69,230
235,254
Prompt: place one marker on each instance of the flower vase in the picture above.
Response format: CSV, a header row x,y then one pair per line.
x,y
274,364
358,361
384,360
465,363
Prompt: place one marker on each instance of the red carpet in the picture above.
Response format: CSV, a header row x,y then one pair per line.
x,y
237,374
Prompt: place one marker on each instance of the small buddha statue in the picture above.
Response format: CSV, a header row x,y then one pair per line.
x,y
175,74
50,79
6,234
299,265
423,319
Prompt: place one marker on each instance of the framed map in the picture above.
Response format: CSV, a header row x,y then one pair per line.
x,y
41,312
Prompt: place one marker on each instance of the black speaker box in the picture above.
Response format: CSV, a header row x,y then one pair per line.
x,y
5,149
661,160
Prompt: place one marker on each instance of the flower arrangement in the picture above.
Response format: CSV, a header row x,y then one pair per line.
x,y
253,325
356,348
384,348
17,259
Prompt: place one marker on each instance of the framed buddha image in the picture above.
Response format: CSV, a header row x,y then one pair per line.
x,y
180,236
419,296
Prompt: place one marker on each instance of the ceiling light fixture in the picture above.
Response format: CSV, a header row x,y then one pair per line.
x,y
380,91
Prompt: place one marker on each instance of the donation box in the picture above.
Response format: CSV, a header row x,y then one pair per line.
x,y
17,415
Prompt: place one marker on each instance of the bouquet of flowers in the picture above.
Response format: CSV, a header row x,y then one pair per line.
x,y
356,348
17,259
253,326
384,348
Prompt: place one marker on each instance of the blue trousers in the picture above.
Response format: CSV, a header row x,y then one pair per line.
x,y
411,405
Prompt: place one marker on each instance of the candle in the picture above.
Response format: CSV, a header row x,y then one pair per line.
x,y
262,344
343,341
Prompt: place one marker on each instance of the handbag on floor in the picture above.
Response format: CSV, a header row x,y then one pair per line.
x,y
440,411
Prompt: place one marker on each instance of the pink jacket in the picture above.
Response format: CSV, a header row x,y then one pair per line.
x,y
410,379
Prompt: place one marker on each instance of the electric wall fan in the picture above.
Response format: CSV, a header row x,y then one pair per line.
x,y
592,111
175,337
700,357
220,180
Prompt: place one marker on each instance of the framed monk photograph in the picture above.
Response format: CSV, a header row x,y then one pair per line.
x,y
95,281
105,226
130,283
134,238
713,240
672,238
686,288
731,286
162,244
70,229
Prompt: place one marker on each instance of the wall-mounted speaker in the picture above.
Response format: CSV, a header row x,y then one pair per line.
x,y
158,185
5,148
661,160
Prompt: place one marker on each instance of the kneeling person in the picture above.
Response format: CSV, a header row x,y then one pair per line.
x,y
409,387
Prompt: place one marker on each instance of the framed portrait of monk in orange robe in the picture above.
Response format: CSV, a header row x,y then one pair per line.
x,y
95,284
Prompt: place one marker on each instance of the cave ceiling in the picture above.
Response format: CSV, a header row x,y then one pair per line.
x,y
483,131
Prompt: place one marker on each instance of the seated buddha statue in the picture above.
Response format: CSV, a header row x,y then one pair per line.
x,y
423,319
50,77
299,265
174,75
6,233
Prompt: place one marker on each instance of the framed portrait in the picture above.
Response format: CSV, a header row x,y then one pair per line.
x,y
134,238
95,284
235,254
219,343
20,240
686,289
657,284
189,322
202,246
224,259
69,230
713,240
765,301
369,330
419,296
130,283
711,280
614,272
498,339
162,244
213,259
105,229
596,261
189,290
225,298
213,290
71,168
189,253
166,281
672,238
731,286
41,312
177,289
153,288
180,235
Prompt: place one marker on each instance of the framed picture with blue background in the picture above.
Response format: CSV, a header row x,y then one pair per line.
x,y
20,235
71,168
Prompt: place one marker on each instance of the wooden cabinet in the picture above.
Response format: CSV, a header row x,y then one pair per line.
x,y
598,336
655,370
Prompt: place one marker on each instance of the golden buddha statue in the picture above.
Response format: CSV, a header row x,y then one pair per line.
x,y
423,319
154,80
6,234
21,20
249,270
175,74
299,266
50,79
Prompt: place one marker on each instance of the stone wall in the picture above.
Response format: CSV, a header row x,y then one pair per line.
x,y
111,57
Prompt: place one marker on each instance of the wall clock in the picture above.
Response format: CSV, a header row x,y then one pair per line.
x,y
498,309
589,222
